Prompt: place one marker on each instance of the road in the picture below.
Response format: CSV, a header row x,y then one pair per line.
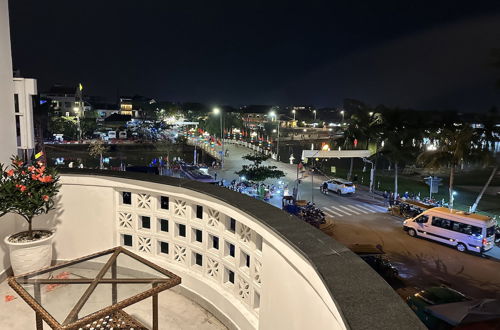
x,y
363,219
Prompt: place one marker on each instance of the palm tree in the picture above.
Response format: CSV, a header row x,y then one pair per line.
x,y
456,145
400,139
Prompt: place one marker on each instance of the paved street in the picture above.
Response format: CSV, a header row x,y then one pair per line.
x,y
363,219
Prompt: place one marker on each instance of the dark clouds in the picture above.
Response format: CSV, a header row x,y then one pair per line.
x,y
413,54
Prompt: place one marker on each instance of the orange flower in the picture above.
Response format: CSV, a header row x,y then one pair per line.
x,y
41,169
23,172
31,168
45,198
21,187
18,162
10,172
46,179
35,176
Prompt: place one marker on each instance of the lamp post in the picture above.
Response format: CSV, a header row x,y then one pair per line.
x,y
293,111
314,111
77,111
342,113
372,173
273,114
217,111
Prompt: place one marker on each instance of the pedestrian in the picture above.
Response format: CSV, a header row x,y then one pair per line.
x,y
324,188
391,200
215,176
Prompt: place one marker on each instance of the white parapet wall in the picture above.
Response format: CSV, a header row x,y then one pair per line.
x,y
250,277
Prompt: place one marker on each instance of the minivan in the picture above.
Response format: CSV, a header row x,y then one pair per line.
x,y
464,231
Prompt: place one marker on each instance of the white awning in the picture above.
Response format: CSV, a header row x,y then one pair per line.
x,y
336,154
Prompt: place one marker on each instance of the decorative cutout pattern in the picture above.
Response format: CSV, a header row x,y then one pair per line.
x,y
144,201
247,281
243,288
180,208
257,271
180,254
212,268
213,218
125,220
144,244
244,233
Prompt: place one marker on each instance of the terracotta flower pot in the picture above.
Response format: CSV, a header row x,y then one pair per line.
x,y
30,256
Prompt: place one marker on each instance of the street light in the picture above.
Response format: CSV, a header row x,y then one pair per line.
x,y
272,114
314,111
372,172
77,111
342,113
370,113
216,112
293,111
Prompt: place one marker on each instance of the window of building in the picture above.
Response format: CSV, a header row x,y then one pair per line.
x,y
18,131
16,103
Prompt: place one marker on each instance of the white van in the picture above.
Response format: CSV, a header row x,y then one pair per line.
x,y
465,231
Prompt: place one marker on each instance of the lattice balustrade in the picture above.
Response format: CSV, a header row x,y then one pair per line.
x,y
206,245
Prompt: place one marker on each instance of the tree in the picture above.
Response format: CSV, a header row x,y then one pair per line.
x,y
97,149
27,190
258,172
400,140
456,145
64,125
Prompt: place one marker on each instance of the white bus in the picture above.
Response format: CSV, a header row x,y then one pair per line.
x,y
464,231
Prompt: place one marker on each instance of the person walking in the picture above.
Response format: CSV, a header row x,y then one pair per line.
x,y
215,176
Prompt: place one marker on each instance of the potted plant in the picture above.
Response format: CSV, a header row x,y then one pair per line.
x,y
28,190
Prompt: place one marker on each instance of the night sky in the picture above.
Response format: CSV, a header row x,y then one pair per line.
x,y
411,54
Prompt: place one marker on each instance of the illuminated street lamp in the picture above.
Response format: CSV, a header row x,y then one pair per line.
x,y
77,111
218,112
370,113
314,111
272,114
342,113
293,111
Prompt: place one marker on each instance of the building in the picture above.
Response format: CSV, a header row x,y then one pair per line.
x,y
25,90
104,110
66,101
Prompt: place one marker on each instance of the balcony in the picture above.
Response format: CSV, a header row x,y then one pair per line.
x,y
249,264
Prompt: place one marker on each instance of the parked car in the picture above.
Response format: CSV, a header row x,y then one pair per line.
x,y
340,186
430,297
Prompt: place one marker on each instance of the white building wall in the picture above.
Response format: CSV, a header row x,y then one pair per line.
x,y
25,89
7,127
7,123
